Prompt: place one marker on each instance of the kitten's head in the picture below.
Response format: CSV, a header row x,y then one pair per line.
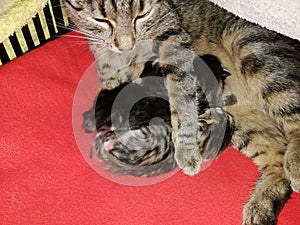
x,y
119,24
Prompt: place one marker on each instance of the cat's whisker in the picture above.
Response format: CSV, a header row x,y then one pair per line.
x,y
71,27
56,6
93,40
73,44
85,32
76,43
87,35
160,19
61,23
81,37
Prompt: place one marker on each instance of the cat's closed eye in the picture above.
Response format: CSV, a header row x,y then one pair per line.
x,y
106,24
77,5
144,13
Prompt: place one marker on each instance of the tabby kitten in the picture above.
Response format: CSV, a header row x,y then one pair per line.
x,y
143,150
264,65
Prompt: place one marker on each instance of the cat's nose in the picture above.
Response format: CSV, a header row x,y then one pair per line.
x,y
125,43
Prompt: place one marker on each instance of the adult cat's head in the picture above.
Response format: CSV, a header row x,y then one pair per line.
x,y
119,24
124,34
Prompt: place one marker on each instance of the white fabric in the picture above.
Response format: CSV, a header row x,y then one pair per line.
x,y
282,16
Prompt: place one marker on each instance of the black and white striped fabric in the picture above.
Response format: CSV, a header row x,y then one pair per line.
x,y
49,23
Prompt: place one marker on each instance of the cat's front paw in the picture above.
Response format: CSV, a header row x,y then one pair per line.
x,y
258,213
189,163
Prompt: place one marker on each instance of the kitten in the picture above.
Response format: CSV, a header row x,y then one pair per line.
x,y
145,154
264,65
139,151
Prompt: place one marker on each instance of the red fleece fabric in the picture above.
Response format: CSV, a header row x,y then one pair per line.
x,y
45,180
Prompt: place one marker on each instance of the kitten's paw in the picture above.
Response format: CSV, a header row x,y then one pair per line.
x,y
256,213
189,163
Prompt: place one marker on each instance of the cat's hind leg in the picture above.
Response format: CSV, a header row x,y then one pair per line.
x,y
292,155
271,192
258,137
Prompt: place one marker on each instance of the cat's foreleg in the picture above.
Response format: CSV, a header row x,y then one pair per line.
x,y
176,58
184,117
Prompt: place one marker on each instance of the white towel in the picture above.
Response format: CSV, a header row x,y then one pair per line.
x,y
282,16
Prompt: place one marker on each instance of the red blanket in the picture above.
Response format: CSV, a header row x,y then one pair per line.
x,y
45,180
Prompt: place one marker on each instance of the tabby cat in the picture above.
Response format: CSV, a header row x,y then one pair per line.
x,y
264,66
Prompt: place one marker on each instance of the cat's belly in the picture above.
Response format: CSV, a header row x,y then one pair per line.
x,y
247,93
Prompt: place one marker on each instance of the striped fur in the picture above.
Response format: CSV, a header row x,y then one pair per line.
x,y
264,68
